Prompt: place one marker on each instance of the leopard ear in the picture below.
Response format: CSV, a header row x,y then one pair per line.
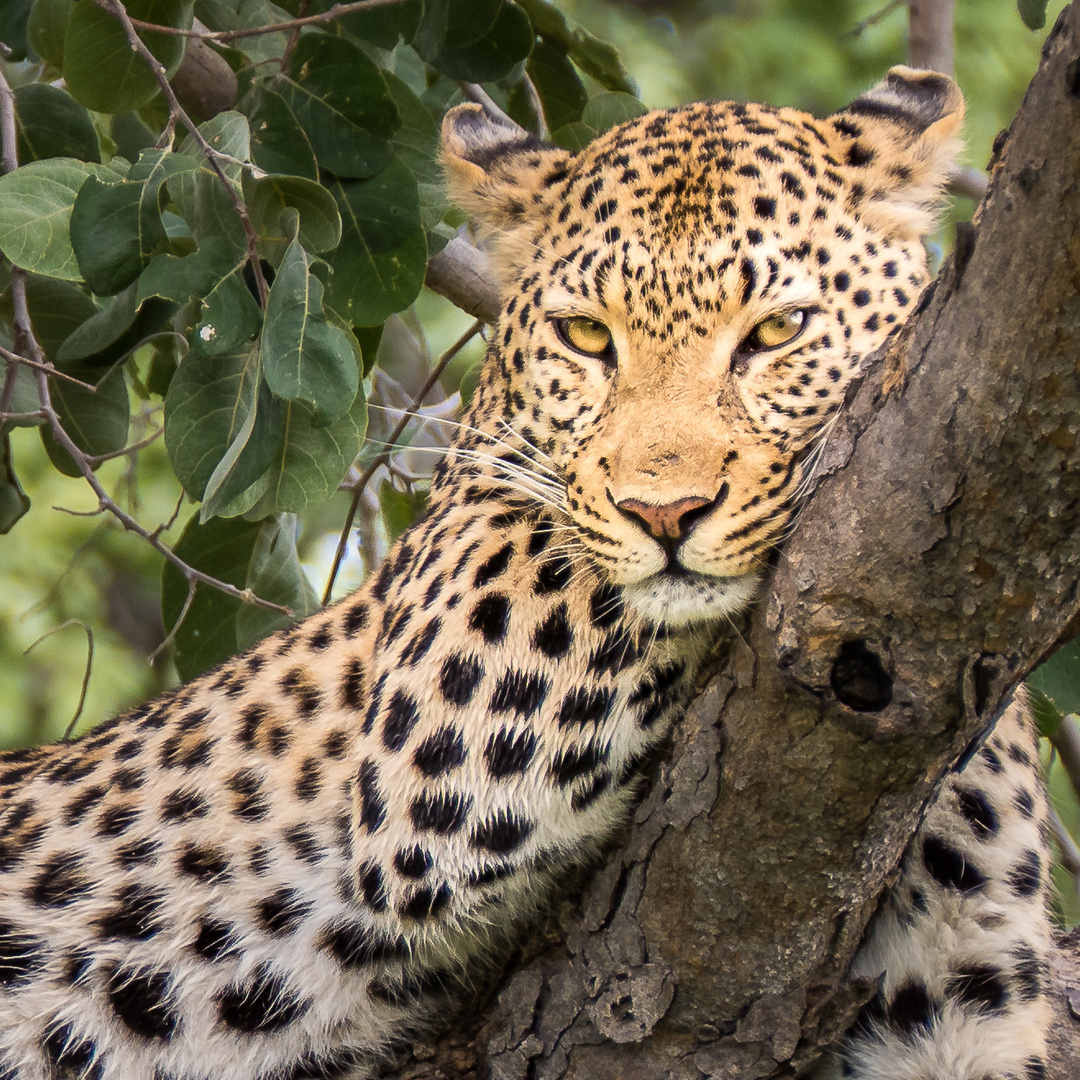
x,y
901,138
495,170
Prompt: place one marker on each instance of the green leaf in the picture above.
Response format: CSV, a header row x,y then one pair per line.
x,y
57,310
116,329
181,277
305,358
1047,717
35,213
607,110
556,80
494,55
13,500
51,123
278,143
115,229
312,459
46,28
13,31
341,101
1059,678
267,199
595,57
575,136
97,422
385,26
380,263
275,574
201,198
230,317
102,70
416,143
1033,12
400,509
213,411
222,548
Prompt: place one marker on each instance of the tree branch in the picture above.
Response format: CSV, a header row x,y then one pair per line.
x,y
944,538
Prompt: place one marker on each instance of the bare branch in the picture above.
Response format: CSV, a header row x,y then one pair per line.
x,y
86,671
463,275
930,35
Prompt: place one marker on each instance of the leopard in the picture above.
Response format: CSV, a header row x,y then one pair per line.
x,y
290,864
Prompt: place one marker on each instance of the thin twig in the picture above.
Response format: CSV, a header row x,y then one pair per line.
x,y
170,637
872,19
1067,849
15,358
369,472
537,106
294,36
86,671
336,12
1066,742
127,451
116,7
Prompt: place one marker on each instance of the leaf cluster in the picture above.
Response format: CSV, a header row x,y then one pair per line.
x,y
230,275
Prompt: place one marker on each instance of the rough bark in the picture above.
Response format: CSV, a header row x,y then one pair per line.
x,y
939,558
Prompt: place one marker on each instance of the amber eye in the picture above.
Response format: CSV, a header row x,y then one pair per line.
x,y
776,330
585,335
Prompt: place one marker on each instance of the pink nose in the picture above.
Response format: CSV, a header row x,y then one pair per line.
x,y
670,521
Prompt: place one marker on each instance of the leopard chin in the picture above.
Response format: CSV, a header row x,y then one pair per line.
x,y
687,598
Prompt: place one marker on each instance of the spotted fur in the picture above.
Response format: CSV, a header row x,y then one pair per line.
x,y
280,869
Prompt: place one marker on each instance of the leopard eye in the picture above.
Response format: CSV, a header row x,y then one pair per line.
x,y
776,330
587,336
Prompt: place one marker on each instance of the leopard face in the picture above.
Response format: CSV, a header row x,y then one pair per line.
x,y
690,298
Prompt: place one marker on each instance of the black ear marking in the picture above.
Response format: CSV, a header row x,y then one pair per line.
x,y
911,98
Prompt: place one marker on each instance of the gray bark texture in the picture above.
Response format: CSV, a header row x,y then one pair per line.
x,y
943,537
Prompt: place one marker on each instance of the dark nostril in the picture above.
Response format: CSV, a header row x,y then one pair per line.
x,y
674,520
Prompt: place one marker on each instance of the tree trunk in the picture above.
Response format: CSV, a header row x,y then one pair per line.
x,y
935,565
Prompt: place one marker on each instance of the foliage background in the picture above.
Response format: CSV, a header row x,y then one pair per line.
x,y
66,574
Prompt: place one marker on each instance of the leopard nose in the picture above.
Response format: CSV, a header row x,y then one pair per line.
x,y
671,521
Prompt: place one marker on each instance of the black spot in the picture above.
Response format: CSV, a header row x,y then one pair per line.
x,y
439,812
508,753
78,806
1034,1069
282,911
979,987
605,606
441,752
521,692
308,779
586,796
554,576
203,862
459,678
215,940
71,1055
1024,801
250,803
616,652
859,155
540,536
372,886
949,868
1029,974
1024,878
490,616
253,716
575,761
22,954
305,844
141,999
992,760
136,914
859,678
426,903
978,813
421,642
184,805
765,208
912,1009
60,881
553,636
401,716
501,833
584,706
355,946
493,567
412,862
262,1002
137,853
861,297
117,820
356,619
335,743
352,685
372,806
